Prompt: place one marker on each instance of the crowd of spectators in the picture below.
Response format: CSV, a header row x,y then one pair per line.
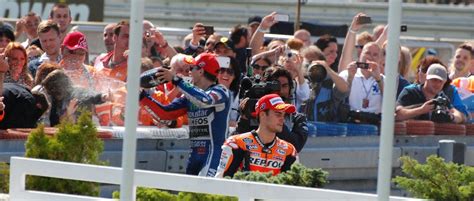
x,y
50,75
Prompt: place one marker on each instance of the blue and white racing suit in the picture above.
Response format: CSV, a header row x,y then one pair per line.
x,y
208,113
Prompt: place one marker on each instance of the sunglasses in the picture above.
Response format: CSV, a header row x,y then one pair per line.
x,y
195,68
258,67
229,71
359,46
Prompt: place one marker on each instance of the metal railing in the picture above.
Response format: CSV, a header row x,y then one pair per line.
x,y
20,167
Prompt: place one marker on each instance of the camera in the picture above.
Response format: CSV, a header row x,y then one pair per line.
x,y
254,89
317,73
149,78
441,112
362,65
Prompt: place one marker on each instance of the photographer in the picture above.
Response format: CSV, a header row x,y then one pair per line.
x,y
295,130
366,86
328,91
427,101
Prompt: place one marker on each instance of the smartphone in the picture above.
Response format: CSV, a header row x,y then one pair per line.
x,y
403,28
224,62
362,65
282,18
364,20
209,30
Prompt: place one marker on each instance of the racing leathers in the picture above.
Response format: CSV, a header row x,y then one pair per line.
x,y
208,113
247,152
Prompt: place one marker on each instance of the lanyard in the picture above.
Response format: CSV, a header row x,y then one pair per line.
x,y
367,91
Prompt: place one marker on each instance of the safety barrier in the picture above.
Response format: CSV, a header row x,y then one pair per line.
x,y
20,167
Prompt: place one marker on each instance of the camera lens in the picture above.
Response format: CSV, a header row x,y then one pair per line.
x,y
317,73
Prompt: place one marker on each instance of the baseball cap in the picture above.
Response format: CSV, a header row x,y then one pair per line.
x,y
208,62
75,40
226,42
254,19
437,71
272,102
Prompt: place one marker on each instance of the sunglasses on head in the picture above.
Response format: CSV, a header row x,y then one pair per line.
x,y
258,67
229,71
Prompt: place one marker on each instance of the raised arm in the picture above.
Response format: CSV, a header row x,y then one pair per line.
x,y
258,37
349,43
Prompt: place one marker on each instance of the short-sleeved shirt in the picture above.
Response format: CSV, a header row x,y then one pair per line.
x,y
413,95
362,88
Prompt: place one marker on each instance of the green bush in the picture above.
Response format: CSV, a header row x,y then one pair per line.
x,y
149,194
436,179
74,142
298,175
4,177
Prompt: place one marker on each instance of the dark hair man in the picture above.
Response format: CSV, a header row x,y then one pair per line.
x,y
260,150
49,37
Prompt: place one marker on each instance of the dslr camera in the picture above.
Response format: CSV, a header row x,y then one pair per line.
x,y
254,89
441,112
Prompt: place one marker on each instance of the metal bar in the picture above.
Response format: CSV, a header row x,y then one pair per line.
x,y
388,104
127,188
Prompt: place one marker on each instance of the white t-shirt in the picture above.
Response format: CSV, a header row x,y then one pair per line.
x,y
361,89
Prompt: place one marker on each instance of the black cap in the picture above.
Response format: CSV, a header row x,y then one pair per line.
x,y
254,19
226,42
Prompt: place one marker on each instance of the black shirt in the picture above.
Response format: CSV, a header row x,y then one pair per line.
x,y
20,107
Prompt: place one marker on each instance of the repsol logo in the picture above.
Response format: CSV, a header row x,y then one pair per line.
x,y
199,121
266,163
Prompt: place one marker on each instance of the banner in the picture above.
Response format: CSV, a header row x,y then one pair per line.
x,y
91,10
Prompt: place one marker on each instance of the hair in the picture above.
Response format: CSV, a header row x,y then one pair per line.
x,y
280,72
405,61
42,101
6,32
268,61
59,5
147,64
324,41
468,47
209,76
237,32
119,26
44,70
24,69
58,84
364,37
312,53
235,85
295,44
426,62
46,26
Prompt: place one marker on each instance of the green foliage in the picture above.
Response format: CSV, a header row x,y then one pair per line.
x,y
436,179
4,177
148,194
74,142
298,175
